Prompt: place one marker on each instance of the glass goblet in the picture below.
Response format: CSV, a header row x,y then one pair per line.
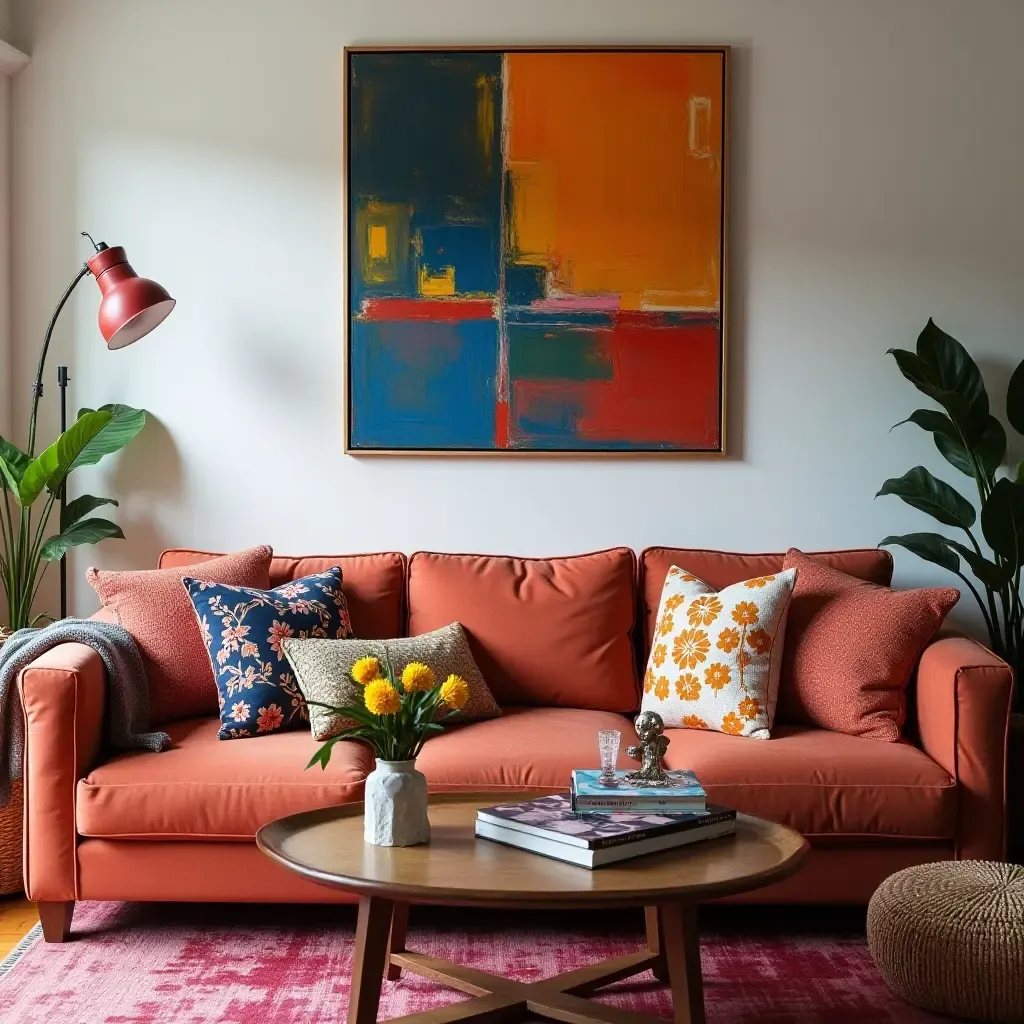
x,y
608,744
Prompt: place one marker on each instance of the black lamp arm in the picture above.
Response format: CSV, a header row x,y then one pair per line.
x,y
37,387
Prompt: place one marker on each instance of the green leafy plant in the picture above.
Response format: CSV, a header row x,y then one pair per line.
x,y
30,486
973,441
395,718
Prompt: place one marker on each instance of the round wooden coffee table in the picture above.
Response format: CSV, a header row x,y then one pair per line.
x,y
457,869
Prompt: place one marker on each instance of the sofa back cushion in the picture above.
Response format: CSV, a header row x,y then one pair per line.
x,y
721,569
550,632
374,585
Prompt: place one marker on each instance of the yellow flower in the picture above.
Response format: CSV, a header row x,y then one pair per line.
x,y
658,657
417,676
690,647
750,708
704,610
688,686
365,670
728,639
673,602
760,640
693,722
745,613
455,691
732,725
381,698
661,688
717,675
759,581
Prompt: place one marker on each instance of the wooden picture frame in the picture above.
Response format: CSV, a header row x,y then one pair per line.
x,y
453,301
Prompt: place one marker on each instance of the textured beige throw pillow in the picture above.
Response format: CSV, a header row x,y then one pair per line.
x,y
716,656
323,670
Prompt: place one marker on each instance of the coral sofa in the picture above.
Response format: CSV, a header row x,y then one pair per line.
x,y
560,642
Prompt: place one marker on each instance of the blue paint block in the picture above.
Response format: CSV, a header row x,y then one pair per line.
x,y
423,385
472,249
524,283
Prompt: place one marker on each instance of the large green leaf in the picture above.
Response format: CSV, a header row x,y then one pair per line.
x,y
932,420
49,468
125,423
992,575
89,531
12,465
917,487
1015,400
944,370
932,547
989,448
80,508
1002,521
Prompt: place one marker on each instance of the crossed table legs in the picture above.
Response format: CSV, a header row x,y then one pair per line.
x,y
672,953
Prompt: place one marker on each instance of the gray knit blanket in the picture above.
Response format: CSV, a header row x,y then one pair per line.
x,y
127,717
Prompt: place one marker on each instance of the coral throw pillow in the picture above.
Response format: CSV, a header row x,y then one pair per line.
x,y
324,672
243,629
851,648
154,608
716,656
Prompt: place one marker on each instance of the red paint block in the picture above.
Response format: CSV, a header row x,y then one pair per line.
x,y
437,310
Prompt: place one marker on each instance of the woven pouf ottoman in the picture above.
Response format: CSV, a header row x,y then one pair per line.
x,y
949,937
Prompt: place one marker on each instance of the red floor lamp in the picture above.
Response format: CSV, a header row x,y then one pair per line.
x,y
130,308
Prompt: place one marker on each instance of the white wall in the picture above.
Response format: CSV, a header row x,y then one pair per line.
x,y
878,162
5,211
5,269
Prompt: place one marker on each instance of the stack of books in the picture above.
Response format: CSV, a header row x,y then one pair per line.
x,y
590,792
549,826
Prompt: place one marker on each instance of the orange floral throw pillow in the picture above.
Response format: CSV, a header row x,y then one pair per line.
x,y
716,656
851,648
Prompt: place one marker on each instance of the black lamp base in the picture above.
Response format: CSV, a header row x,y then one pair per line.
x,y
62,382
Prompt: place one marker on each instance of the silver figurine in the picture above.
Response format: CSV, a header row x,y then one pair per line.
x,y
649,752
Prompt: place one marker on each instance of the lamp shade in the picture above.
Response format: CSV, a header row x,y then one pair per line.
x,y
131,306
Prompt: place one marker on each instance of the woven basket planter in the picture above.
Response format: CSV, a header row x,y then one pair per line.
x,y
11,825
949,937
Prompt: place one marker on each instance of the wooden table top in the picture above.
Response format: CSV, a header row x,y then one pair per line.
x,y
456,868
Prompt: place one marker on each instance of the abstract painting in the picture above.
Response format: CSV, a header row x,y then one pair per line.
x,y
536,250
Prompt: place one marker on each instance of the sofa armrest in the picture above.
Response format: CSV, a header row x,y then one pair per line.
x,y
63,693
963,717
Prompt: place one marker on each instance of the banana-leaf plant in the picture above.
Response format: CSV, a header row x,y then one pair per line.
x,y
973,442
30,486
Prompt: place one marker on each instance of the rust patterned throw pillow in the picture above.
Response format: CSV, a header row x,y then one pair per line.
x,y
716,655
851,648
153,606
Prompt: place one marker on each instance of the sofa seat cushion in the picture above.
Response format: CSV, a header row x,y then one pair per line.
x,y
525,749
822,783
205,788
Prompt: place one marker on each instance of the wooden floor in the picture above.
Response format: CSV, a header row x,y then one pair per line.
x,y
17,916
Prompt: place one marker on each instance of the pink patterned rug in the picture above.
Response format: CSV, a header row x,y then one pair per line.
x,y
191,964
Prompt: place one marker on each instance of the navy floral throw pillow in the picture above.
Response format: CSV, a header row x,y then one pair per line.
x,y
243,629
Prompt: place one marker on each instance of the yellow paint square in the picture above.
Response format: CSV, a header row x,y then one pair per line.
x,y
435,285
377,242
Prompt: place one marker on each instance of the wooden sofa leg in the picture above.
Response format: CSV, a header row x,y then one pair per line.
x,y
56,919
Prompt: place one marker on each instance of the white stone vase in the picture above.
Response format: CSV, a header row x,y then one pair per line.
x,y
395,807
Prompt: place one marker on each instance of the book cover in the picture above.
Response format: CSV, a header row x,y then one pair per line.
x,y
552,817
589,858
684,787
